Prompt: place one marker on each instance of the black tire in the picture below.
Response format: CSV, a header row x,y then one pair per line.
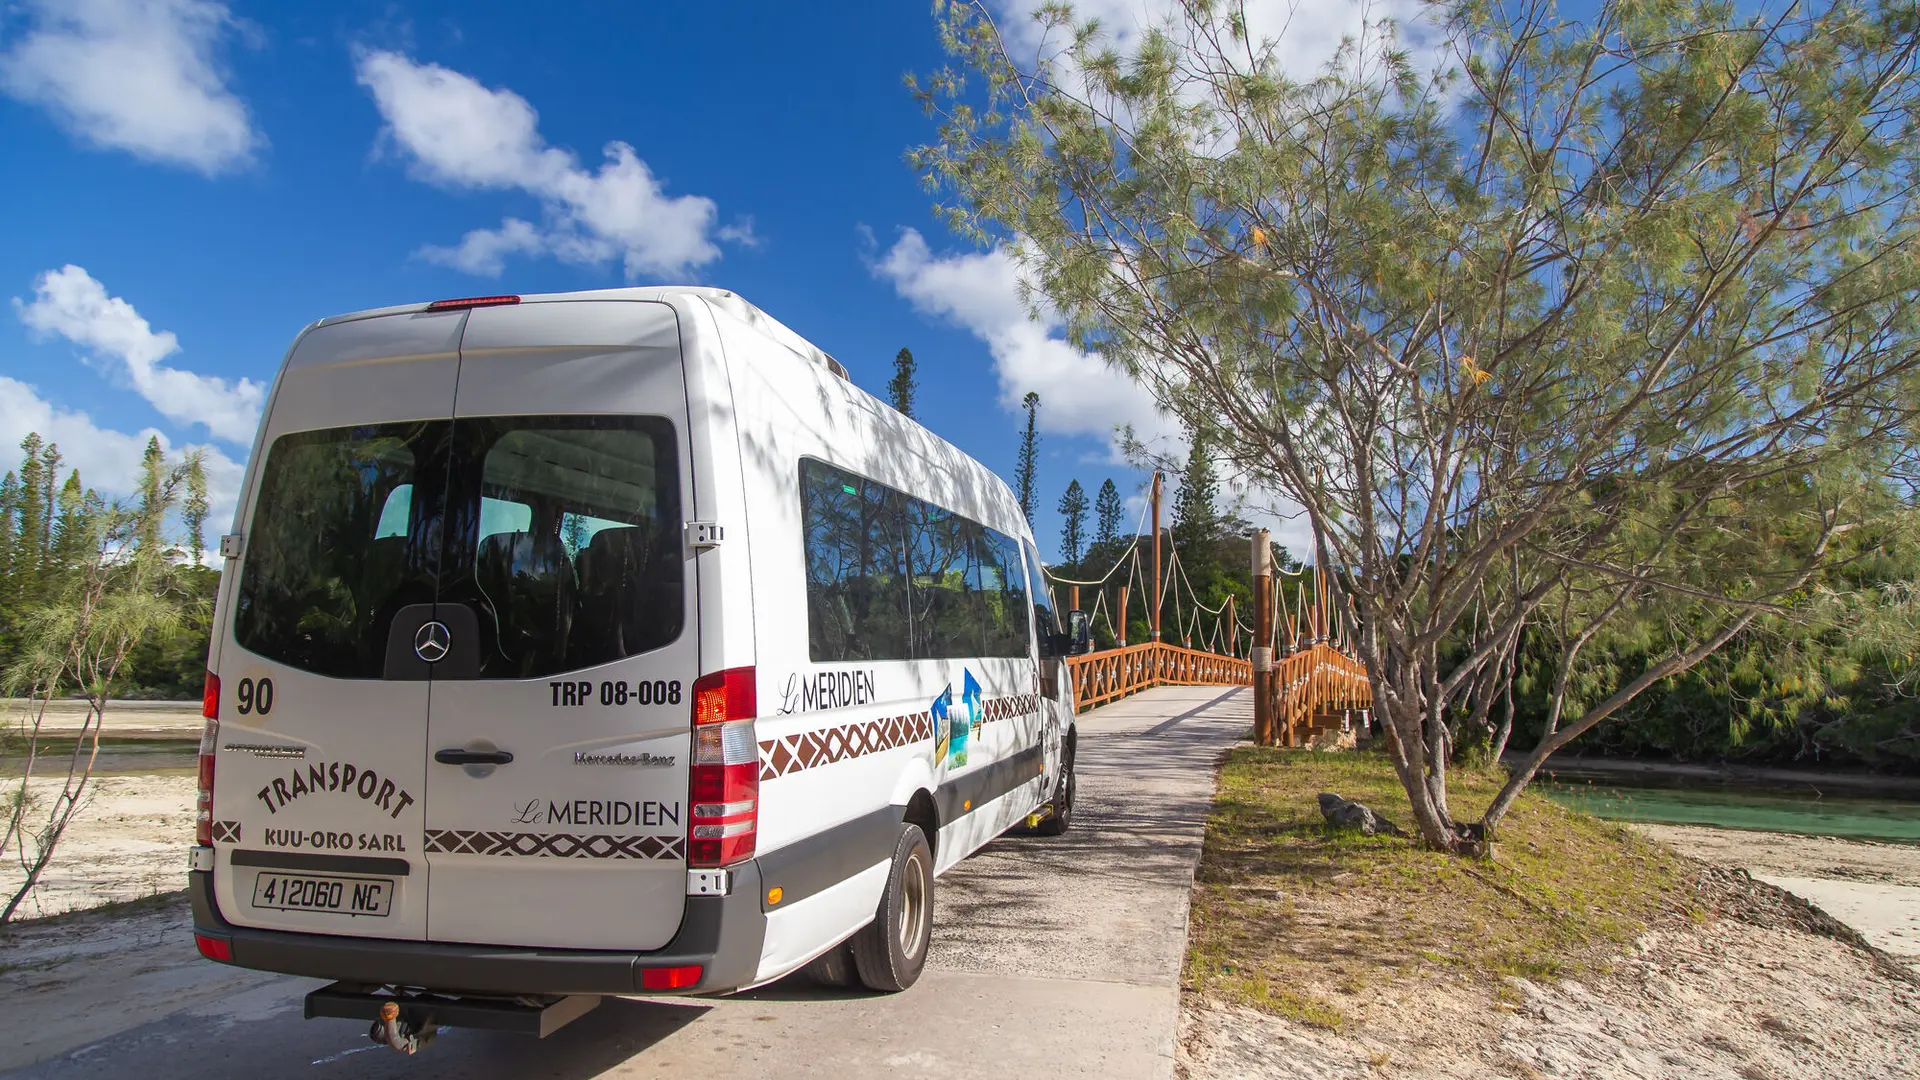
x,y
1062,817
890,951
834,969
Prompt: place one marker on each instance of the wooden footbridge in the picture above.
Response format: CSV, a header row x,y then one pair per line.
x,y
1297,655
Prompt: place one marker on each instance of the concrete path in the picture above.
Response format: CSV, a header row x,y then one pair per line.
x,y
1052,957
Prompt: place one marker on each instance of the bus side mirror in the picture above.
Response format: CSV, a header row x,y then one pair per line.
x,y
1079,633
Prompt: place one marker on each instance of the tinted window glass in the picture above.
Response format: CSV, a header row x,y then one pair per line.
x,y
856,566
891,577
1046,623
575,555
340,540
1003,585
949,618
562,534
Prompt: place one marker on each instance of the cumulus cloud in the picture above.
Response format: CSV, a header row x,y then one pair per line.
x,y
456,133
71,303
980,292
136,75
1080,394
108,460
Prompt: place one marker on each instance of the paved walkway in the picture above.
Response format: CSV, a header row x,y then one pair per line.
x,y
1052,957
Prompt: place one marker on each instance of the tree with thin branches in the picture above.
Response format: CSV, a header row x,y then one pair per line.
x,y
1611,308
125,588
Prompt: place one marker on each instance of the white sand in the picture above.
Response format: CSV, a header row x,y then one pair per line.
x,y
129,840
1874,888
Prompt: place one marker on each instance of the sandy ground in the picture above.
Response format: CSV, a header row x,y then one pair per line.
x,y
129,841
1728,1000
1874,888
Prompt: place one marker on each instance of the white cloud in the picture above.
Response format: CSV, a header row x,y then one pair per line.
x,y
108,460
135,75
459,134
70,303
1080,394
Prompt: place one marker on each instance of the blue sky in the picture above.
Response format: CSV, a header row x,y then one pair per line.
x,y
225,173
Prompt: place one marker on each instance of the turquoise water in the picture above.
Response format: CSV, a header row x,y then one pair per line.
x,y
1809,814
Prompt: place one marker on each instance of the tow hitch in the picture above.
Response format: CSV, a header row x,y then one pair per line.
x,y
403,1035
407,1018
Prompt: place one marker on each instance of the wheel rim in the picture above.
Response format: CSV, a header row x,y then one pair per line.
x,y
913,906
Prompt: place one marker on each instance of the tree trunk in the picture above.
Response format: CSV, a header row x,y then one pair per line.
x,y
1505,731
1409,750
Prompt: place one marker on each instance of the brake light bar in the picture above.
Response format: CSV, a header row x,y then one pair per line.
x,y
724,781
209,743
472,301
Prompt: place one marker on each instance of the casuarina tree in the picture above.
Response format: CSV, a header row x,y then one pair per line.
x,y
1073,522
904,384
1611,306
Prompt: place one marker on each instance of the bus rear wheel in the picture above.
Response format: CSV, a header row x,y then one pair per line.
x,y
890,952
1061,818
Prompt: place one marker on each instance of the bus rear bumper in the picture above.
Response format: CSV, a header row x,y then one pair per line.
x,y
721,935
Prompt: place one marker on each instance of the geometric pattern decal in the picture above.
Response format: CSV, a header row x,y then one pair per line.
x,y
1006,708
791,753
226,832
551,845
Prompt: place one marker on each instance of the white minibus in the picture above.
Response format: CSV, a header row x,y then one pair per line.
x,y
607,643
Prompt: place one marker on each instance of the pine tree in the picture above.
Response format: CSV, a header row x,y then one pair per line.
x,y
9,507
30,518
1029,462
69,530
1107,509
1073,522
193,512
153,493
1196,520
902,387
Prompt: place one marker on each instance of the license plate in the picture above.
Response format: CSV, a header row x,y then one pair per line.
x,y
323,892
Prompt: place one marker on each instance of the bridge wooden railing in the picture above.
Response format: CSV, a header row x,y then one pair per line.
x,y
1101,677
1312,687
1309,686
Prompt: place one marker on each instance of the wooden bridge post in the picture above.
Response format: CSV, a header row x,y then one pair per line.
x,y
1262,640
1156,557
1073,598
1123,616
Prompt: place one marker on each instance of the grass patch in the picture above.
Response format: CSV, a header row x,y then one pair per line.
x,y
1294,918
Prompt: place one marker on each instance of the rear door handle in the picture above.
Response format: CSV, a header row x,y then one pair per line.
x,y
473,757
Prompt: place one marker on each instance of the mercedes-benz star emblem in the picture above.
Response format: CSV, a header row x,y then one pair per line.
x,y
432,642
